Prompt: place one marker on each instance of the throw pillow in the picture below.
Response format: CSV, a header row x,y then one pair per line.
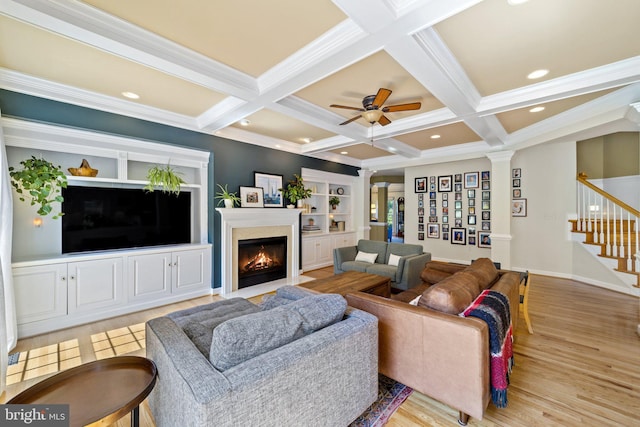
x,y
394,260
366,257
415,300
484,270
453,294
246,337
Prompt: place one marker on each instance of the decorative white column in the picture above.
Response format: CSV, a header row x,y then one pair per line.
x,y
501,207
363,204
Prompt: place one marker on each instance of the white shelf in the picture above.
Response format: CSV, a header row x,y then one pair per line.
x,y
133,182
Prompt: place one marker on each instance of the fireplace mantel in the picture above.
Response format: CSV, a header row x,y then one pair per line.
x,y
259,219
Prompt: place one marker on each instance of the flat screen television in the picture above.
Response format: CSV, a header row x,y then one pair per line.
x,y
98,218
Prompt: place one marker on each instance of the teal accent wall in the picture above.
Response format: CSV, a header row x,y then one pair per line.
x,y
232,162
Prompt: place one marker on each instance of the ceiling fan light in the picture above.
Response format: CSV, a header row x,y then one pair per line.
x,y
372,116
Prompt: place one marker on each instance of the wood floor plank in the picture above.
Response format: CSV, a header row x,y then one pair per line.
x,y
581,367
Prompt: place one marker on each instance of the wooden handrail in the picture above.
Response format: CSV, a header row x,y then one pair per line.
x,y
582,177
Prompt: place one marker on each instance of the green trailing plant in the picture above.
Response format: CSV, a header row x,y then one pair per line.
x,y
295,190
334,201
41,182
224,194
165,178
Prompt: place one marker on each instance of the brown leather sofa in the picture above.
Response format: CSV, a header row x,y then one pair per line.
x,y
428,346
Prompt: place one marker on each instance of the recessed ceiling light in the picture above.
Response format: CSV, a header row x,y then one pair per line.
x,y
392,149
130,95
344,152
536,109
537,74
516,2
435,136
244,122
307,140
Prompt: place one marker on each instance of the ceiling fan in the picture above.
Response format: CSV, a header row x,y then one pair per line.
x,y
373,110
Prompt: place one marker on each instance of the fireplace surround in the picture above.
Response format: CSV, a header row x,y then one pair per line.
x,y
239,224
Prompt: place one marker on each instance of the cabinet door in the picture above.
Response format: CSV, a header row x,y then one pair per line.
x,y
308,245
95,284
40,292
149,276
189,270
324,250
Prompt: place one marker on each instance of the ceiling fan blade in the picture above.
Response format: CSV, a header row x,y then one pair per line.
x,y
384,120
381,97
346,107
402,107
350,120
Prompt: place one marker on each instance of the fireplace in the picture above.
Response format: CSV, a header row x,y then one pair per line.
x,y
261,260
257,223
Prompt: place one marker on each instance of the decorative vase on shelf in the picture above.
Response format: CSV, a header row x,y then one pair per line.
x,y
228,203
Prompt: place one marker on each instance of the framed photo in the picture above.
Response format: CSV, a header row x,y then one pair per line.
x,y
486,225
458,177
432,186
445,211
433,218
486,185
445,219
445,236
486,215
471,219
432,195
433,231
270,183
420,220
433,203
421,227
421,185
420,211
458,204
458,213
458,196
444,183
519,207
516,183
445,227
432,179
486,175
471,179
486,195
458,236
471,202
471,194
516,173
251,197
420,236
484,240
445,196
432,211
421,197
517,193
458,187
486,205
458,222
472,210
472,240
445,203
472,230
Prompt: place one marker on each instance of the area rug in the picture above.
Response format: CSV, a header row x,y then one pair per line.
x,y
391,394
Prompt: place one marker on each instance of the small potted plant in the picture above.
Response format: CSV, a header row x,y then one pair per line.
x,y
295,190
334,201
229,199
41,181
164,177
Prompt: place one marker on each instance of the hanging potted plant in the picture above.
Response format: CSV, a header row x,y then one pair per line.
x,y
295,190
334,201
40,181
164,177
229,199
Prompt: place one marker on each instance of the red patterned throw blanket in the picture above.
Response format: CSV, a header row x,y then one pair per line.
x,y
493,308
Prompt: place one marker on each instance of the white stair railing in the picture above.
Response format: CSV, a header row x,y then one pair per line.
x,y
598,212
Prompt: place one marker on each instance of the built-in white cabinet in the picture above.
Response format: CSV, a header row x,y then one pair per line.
x,y
40,292
317,251
157,275
323,226
95,285
70,290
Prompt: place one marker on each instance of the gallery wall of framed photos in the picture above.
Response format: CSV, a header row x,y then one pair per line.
x,y
455,208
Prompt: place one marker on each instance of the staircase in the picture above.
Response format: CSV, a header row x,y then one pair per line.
x,y
610,230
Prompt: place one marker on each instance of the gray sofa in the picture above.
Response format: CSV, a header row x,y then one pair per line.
x,y
298,358
410,261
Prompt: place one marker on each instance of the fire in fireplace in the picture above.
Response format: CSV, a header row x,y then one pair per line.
x,y
261,260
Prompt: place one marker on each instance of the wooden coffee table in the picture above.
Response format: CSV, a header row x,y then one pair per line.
x,y
351,281
97,392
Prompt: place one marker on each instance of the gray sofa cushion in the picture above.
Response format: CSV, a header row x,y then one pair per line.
x,y
355,266
385,270
245,337
374,246
199,322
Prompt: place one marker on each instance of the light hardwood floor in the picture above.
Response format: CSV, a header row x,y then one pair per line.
x,y
581,367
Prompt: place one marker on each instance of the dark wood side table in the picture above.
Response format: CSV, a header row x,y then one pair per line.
x,y
97,392
351,281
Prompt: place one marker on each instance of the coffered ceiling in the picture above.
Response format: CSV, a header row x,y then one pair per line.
x,y
279,65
